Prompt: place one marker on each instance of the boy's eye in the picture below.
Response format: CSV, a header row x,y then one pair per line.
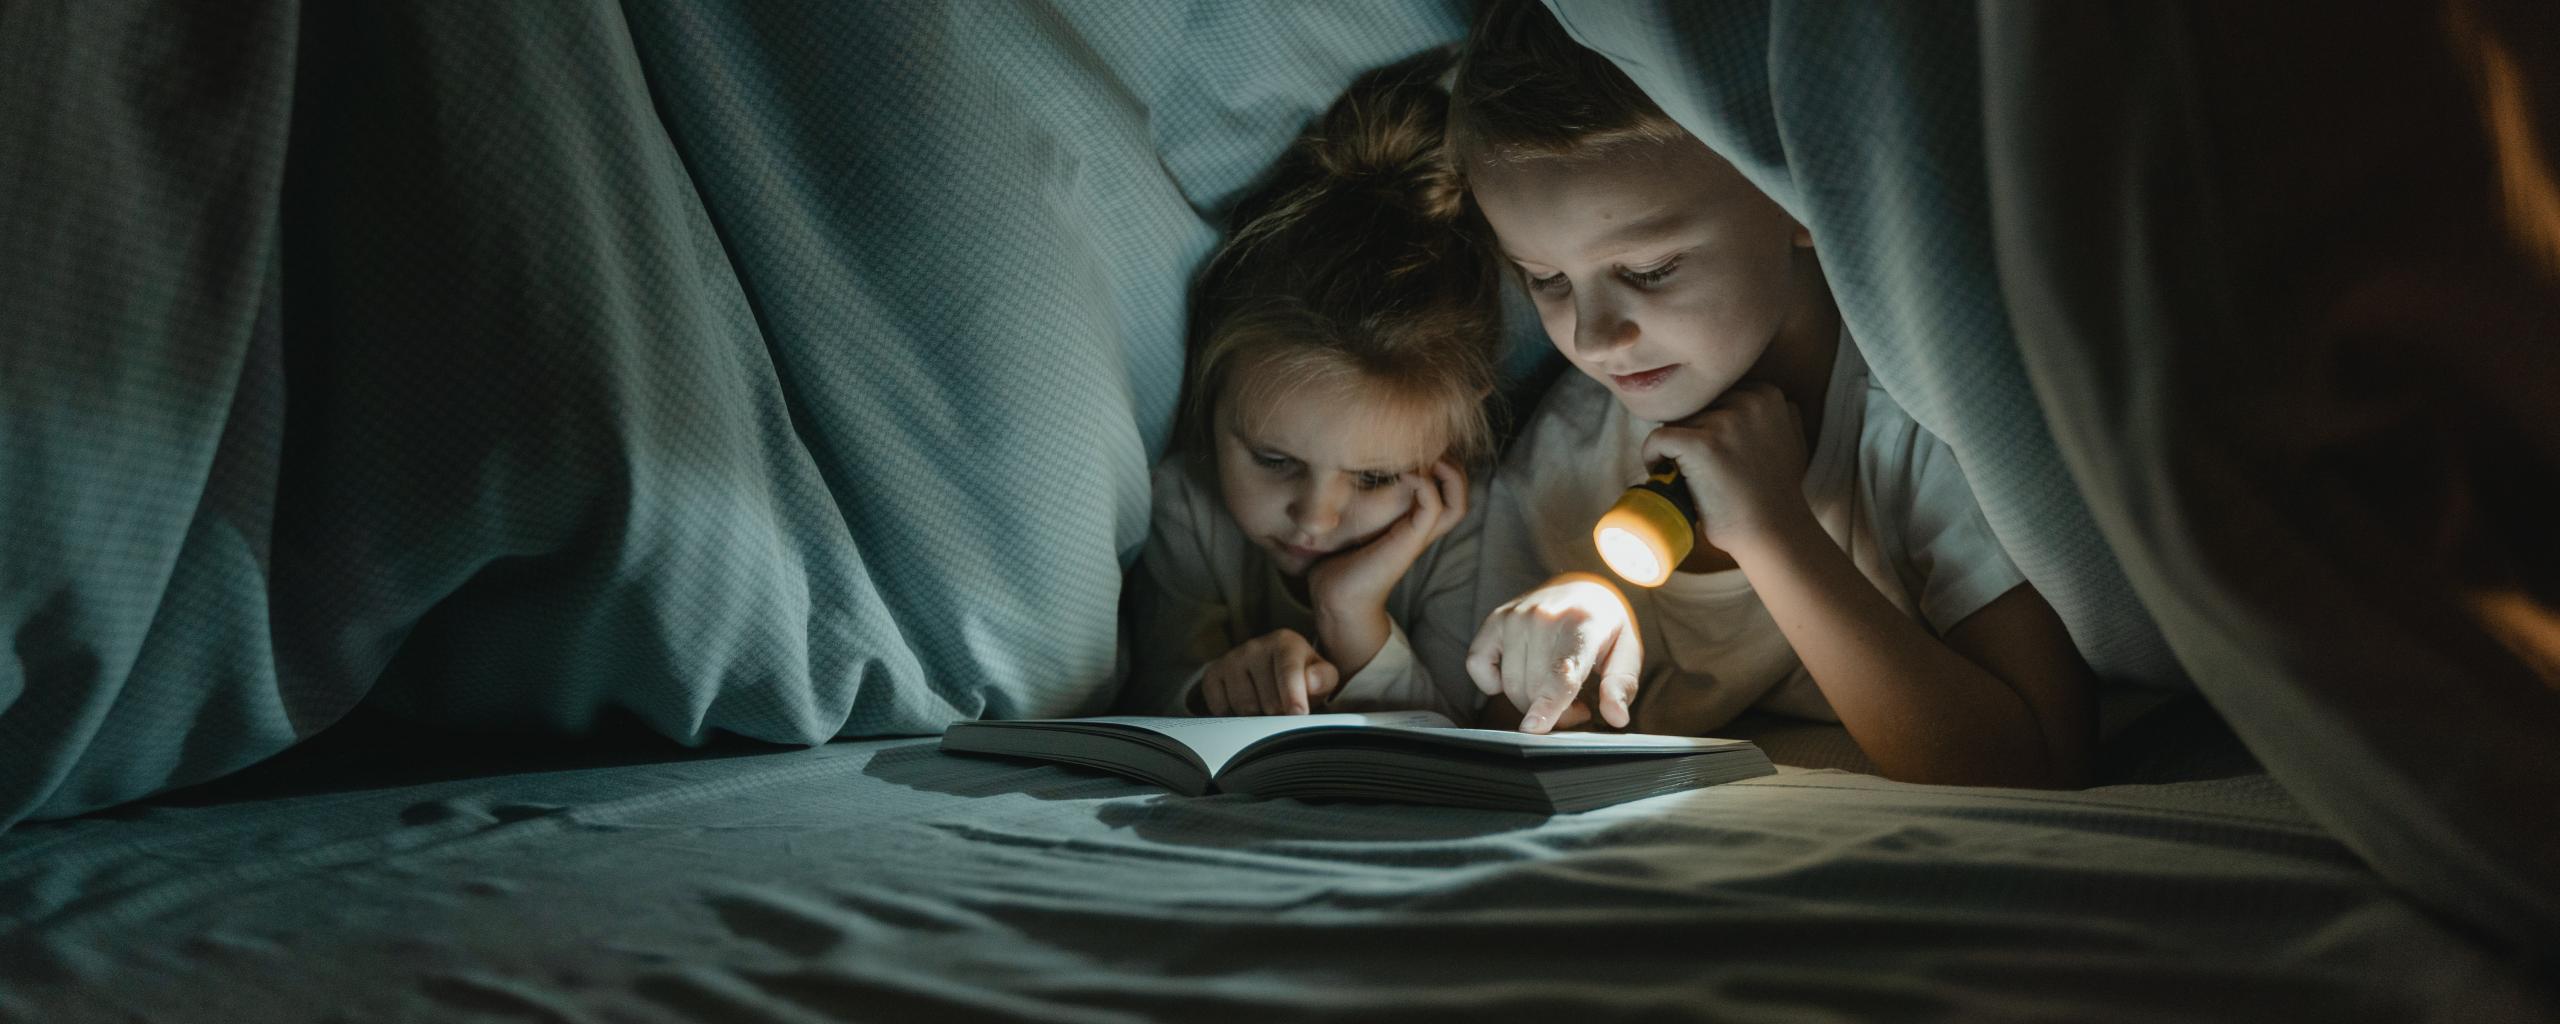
x,y
1654,276
1372,481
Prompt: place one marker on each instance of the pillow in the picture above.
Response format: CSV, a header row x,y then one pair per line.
x,y
791,372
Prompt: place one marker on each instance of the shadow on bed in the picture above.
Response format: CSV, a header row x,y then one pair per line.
x,y
2163,738
924,766
372,750
2181,740
1232,822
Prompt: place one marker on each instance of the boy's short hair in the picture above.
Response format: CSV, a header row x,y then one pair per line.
x,y
1525,90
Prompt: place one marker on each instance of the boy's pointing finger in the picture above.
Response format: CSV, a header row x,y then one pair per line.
x,y
1555,694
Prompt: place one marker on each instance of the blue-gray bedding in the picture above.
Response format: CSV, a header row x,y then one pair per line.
x,y
785,370
881,880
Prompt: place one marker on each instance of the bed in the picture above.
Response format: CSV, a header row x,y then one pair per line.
x,y
884,880
498,500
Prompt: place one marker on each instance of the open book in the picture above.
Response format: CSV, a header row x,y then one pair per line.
x,y
1404,757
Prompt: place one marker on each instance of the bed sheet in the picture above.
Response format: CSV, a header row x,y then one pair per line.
x,y
883,880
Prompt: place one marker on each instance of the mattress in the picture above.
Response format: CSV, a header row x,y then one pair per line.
x,y
884,880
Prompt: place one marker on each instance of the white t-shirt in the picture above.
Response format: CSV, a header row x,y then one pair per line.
x,y
1201,589
1888,492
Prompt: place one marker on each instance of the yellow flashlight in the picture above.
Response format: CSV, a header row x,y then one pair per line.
x,y
1651,529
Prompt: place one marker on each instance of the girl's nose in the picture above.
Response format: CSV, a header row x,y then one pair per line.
x,y
1317,507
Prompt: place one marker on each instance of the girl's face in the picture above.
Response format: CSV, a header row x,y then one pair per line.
x,y
1657,269
1322,468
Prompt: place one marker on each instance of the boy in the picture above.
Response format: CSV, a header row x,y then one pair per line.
x,y
1843,570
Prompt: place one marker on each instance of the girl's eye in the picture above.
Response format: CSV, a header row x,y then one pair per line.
x,y
1551,284
1376,481
1267,460
1648,278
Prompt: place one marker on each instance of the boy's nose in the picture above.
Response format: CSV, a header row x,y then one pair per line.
x,y
1599,327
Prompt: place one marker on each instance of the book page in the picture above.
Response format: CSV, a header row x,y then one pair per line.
x,y
1571,742
1216,740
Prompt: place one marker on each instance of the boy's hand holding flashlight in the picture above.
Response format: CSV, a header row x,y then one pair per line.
x,y
1744,461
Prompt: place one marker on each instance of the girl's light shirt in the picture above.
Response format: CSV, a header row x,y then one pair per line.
x,y
1888,492
1201,589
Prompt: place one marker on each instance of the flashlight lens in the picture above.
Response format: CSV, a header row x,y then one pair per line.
x,y
1630,557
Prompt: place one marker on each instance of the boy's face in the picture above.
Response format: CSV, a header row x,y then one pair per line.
x,y
1321,469
1656,268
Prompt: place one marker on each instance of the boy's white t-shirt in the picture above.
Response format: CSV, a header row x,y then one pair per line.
x,y
1201,589
1888,492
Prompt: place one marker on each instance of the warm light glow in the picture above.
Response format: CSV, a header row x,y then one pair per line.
x,y
2531,183
1631,557
1646,534
2528,627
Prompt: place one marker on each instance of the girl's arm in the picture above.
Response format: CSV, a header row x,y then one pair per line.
x,y
1167,651
1427,555
1176,620
1396,679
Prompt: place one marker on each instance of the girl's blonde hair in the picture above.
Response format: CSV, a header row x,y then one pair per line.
x,y
1355,264
1525,90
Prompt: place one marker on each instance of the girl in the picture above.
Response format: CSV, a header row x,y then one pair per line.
x,y
1339,368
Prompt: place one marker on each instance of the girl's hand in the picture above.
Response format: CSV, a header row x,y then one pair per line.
x,y
1744,460
1277,673
1350,588
1538,648
1363,576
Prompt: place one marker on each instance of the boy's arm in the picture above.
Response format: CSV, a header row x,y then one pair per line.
x,y
2021,640
1993,705
2004,701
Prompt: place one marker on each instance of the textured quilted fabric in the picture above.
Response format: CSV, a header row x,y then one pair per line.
x,y
789,370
